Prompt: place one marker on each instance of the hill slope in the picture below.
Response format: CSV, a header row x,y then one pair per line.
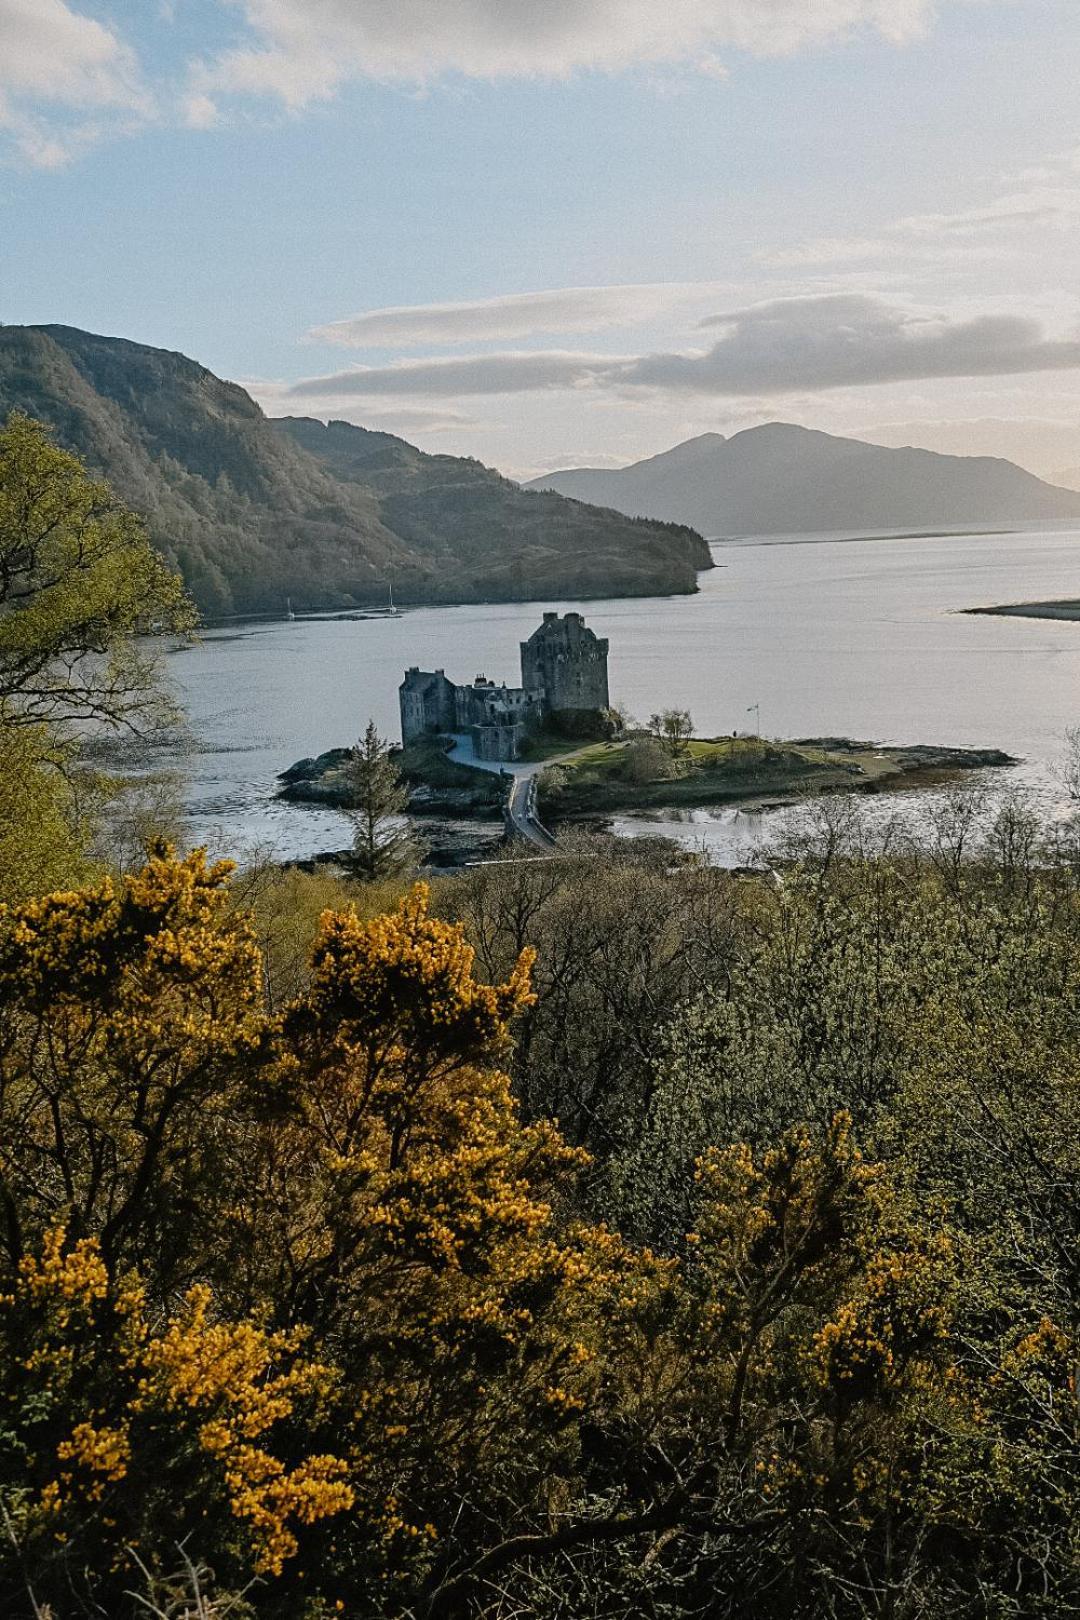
x,y
252,511
780,479
462,519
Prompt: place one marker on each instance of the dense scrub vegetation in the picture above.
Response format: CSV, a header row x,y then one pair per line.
x,y
252,512
313,1272
599,1236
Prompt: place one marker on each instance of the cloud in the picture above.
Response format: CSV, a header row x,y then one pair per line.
x,y
808,344
514,372
851,339
306,50
1046,197
65,80
512,316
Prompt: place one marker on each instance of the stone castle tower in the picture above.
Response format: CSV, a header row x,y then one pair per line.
x,y
565,663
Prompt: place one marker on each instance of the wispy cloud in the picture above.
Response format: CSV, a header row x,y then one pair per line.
x,y
851,339
786,345
1045,197
65,81
510,317
514,372
302,51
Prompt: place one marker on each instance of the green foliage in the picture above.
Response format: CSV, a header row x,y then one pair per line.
x,y
78,581
43,829
383,845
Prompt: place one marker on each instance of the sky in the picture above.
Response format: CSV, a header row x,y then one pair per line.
x,y
553,233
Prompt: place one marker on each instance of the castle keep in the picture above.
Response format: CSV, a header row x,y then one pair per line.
x,y
563,673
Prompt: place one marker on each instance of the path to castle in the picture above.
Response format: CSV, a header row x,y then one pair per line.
x,y
520,805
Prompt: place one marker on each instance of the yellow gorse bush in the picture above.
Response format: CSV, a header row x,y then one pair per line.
x,y
220,1386
302,1286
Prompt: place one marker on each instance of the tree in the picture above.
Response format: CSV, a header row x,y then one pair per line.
x,y
673,728
647,760
79,582
382,845
552,782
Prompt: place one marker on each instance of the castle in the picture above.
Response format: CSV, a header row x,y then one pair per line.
x,y
563,673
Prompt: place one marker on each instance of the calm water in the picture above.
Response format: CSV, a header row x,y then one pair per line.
x,y
835,637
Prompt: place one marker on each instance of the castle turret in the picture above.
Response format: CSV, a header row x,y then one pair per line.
x,y
565,664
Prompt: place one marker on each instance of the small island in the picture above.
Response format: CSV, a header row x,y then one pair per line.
x,y
552,750
640,773
637,772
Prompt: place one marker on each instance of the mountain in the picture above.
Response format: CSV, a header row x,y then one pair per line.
x,y
1069,479
253,511
781,479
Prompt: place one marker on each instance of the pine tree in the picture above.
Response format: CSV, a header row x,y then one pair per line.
x,y
382,845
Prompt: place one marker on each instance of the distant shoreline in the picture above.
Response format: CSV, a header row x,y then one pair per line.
x,y
816,537
1067,607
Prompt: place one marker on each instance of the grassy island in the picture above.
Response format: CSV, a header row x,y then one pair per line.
x,y
636,773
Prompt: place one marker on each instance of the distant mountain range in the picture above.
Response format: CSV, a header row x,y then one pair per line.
x,y
781,479
253,511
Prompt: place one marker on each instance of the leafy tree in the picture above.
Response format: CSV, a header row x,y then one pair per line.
x,y
78,582
382,845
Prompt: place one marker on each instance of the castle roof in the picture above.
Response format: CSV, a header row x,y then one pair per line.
x,y
553,625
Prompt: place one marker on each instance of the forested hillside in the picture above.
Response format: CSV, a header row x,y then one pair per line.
x,y
252,513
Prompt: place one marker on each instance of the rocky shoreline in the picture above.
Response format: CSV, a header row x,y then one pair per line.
x,y
459,810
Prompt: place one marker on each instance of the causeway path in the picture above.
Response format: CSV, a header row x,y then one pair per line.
x,y
522,820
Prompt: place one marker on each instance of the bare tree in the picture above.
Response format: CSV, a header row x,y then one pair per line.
x,y
674,728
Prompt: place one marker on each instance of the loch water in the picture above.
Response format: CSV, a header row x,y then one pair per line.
x,y
831,635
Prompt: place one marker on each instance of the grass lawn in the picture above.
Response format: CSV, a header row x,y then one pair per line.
x,y
704,753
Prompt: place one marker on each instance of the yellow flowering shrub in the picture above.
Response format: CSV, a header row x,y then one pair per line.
x,y
828,1317
229,1378
104,1405
132,1014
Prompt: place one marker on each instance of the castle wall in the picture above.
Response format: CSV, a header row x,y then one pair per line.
x,y
426,702
498,741
563,667
567,663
